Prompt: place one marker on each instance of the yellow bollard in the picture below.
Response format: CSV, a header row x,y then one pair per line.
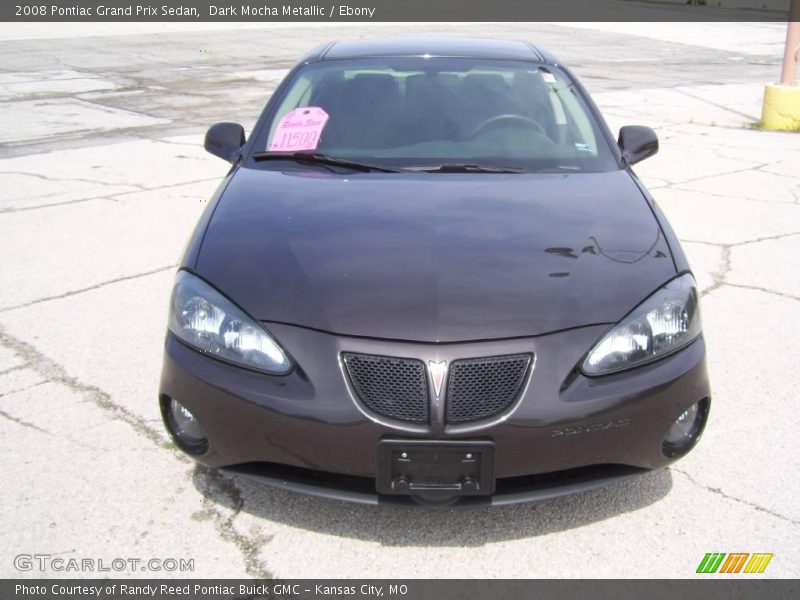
x,y
781,109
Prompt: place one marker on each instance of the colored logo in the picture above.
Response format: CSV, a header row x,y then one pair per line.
x,y
735,562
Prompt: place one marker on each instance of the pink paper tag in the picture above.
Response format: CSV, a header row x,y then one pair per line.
x,y
299,130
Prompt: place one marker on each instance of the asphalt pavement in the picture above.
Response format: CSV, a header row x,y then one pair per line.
x,y
103,177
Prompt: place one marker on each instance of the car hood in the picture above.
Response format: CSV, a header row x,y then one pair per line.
x,y
434,257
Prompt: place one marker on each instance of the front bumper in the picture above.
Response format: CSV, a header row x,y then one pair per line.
x,y
305,431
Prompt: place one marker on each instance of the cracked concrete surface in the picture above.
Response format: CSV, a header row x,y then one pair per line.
x,y
103,178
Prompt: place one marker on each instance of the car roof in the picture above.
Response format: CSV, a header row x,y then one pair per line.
x,y
431,46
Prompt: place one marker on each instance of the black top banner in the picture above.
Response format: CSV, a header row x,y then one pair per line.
x,y
393,10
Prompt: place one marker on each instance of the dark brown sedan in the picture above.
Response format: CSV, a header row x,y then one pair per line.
x,y
431,274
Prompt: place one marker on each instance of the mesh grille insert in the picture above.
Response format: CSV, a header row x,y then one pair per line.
x,y
479,388
389,386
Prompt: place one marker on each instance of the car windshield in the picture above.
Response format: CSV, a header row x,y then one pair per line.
x,y
437,114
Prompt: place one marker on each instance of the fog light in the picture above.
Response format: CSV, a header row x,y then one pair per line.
x,y
185,427
686,429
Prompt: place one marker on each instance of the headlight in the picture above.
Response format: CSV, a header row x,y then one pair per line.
x,y
206,320
666,321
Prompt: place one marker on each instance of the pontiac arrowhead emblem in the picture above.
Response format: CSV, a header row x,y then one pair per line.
x,y
437,371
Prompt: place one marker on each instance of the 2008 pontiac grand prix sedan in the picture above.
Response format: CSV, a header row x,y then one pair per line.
x,y
431,275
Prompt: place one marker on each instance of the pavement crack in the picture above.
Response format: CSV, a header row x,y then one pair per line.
x,y
114,197
59,179
88,289
55,373
752,167
222,490
677,187
714,244
719,492
171,141
716,104
767,238
18,421
762,289
23,389
10,369
763,169
53,204
718,276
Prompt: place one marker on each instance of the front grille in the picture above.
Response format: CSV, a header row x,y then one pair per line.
x,y
392,387
479,388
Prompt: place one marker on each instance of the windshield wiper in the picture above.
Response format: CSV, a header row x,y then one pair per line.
x,y
323,159
465,168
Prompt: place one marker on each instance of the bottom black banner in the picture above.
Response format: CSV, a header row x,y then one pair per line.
x,y
732,588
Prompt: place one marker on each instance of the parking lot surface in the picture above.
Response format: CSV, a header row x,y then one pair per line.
x,y
103,177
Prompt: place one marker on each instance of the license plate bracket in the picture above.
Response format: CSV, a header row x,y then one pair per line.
x,y
426,467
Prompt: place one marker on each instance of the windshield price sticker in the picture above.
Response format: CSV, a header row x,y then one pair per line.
x,y
300,129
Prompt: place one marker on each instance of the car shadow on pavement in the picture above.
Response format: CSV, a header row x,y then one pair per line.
x,y
417,526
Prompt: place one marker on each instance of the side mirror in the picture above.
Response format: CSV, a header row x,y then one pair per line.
x,y
637,143
225,140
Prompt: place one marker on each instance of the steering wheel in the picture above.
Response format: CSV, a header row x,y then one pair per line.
x,y
499,120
